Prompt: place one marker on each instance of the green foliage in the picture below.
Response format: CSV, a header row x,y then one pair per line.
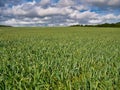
x,y
5,26
73,58
100,25
109,25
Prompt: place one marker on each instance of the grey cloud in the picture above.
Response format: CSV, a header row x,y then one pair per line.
x,y
45,2
64,3
102,4
59,20
64,13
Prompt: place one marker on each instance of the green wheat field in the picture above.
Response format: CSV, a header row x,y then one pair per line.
x,y
59,58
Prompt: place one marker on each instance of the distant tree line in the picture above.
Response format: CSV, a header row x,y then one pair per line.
x,y
5,26
100,25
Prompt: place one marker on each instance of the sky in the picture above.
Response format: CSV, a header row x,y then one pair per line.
x,y
58,12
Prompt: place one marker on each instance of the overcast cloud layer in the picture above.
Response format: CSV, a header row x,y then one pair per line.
x,y
58,12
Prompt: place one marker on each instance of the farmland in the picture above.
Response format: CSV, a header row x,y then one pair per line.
x,y
59,58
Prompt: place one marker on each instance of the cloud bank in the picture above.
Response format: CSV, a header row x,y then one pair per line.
x,y
58,12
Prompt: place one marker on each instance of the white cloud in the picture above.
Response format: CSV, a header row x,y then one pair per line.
x,y
81,7
64,13
64,3
108,18
23,10
24,21
83,15
44,2
53,11
95,21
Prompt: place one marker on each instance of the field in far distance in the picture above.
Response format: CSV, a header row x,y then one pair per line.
x,y
61,58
